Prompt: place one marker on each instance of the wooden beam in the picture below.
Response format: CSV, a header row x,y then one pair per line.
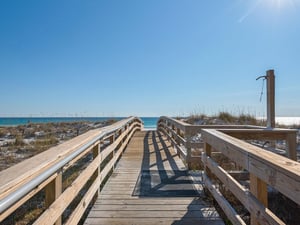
x,y
258,134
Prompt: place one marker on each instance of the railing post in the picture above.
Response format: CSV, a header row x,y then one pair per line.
x,y
207,151
188,136
168,130
112,139
96,152
173,129
178,134
52,191
259,189
291,145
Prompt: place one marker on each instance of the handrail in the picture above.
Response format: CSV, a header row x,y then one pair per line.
x,y
10,195
181,136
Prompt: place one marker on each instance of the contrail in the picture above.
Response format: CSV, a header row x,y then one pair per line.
x,y
250,11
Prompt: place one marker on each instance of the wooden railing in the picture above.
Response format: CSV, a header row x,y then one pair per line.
x,y
182,136
265,169
44,172
253,166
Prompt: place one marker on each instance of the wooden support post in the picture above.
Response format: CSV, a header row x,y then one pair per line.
x,y
270,99
168,131
96,152
173,129
52,191
112,139
188,147
259,189
207,150
291,145
178,134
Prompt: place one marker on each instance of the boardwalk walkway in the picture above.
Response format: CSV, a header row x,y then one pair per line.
x,y
151,185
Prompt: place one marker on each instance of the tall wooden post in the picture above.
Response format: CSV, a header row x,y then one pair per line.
x,y
270,99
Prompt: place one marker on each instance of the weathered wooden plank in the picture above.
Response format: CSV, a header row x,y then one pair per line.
x,y
153,201
152,207
116,192
202,213
259,134
119,196
151,221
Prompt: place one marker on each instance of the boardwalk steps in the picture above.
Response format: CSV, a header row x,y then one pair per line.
x,y
151,185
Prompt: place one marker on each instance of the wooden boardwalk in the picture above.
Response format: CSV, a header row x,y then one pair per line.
x,y
151,185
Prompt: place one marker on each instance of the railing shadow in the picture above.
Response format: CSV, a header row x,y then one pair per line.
x,y
163,178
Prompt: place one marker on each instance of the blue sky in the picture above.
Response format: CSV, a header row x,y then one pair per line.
x,y
147,58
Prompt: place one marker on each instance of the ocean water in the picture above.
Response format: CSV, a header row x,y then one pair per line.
x,y
149,122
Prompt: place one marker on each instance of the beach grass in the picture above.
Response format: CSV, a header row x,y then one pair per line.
x,y
224,118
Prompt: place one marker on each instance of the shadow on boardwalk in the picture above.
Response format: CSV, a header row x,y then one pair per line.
x,y
163,178
166,178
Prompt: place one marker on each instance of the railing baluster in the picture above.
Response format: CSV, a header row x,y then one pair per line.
x,y
207,150
259,189
188,147
53,190
291,146
96,152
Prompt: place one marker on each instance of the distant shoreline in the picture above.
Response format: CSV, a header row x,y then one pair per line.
x,y
16,121
149,122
